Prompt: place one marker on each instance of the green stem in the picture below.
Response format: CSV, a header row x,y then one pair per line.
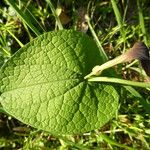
x,y
6,52
101,50
55,14
141,20
118,18
120,81
18,41
131,64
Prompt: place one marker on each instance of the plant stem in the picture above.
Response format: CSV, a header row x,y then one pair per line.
x,y
119,81
55,15
101,50
119,19
6,52
141,20
18,41
131,64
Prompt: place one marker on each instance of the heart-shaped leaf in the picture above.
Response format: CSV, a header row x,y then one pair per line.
x,y
43,85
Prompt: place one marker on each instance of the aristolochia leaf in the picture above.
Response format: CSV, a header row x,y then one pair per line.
x,y
43,85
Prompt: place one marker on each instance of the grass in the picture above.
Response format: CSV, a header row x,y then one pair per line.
x,y
115,26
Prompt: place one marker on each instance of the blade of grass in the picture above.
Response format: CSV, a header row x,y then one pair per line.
x,y
140,71
113,142
137,95
71,143
101,50
35,20
23,17
119,19
6,52
27,30
29,14
125,11
111,33
103,55
119,81
141,21
55,14
18,41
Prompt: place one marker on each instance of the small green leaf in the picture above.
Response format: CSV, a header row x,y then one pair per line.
x,y
43,85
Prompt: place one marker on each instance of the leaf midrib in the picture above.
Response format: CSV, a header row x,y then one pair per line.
x,y
40,84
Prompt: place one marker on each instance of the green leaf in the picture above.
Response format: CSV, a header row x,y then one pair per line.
x,y
43,85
